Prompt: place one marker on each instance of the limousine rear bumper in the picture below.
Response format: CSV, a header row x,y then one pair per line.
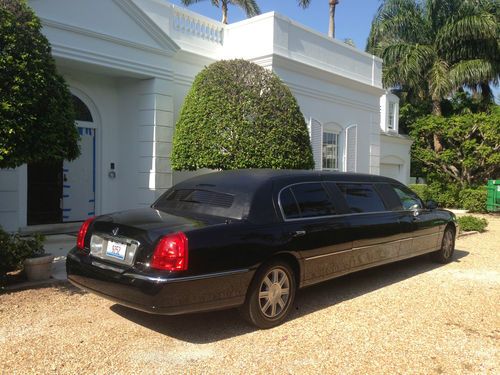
x,y
158,295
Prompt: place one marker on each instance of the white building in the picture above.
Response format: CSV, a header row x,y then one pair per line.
x,y
130,63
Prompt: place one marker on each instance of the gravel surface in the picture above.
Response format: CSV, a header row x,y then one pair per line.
x,y
409,317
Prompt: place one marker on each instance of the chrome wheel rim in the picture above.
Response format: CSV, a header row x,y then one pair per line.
x,y
274,293
447,244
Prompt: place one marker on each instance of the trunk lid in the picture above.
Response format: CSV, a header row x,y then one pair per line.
x,y
139,230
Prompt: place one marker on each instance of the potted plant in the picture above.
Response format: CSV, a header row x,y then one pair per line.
x,y
16,251
38,265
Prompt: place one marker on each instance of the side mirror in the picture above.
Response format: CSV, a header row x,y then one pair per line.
x,y
431,205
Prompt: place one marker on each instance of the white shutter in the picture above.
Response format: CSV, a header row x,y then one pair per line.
x,y
351,148
316,136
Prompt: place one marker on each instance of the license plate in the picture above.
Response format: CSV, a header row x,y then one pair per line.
x,y
116,250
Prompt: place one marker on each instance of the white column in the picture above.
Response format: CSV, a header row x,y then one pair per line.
x,y
156,124
375,143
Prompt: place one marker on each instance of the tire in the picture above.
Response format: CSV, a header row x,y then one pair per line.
x,y
270,296
445,254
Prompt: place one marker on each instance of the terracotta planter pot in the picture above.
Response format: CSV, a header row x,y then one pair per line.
x,y
39,268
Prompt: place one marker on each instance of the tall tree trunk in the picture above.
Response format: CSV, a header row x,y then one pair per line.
x,y
331,25
486,93
436,111
224,11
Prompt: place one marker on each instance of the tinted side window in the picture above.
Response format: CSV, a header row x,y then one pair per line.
x,y
289,204
409,200
313,200
361,198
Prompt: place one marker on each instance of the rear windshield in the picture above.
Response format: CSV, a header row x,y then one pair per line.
x,y
196,201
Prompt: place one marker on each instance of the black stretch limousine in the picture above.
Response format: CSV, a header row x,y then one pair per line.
x,y
250,238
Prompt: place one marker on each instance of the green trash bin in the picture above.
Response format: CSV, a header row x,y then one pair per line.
x,y
493,200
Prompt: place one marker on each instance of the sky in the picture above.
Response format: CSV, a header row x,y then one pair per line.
x,y
352,18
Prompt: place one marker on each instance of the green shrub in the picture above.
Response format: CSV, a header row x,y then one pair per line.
x,y
14,250
422,191
471,223
445,195
473,200
37,120
240,115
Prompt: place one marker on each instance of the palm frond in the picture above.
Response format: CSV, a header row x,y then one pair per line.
x,y
407,64
474,72
440,84
249,6
304,3
477,27
190,2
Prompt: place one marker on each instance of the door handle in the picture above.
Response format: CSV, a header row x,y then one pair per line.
x,y
298,233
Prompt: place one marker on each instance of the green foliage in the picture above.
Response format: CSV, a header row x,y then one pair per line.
x,y
473,200
240,115
451,196
432,47
471,147
36,110
422,191
470,223
14,250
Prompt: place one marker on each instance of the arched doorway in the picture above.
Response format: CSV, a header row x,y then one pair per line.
x,y
65,191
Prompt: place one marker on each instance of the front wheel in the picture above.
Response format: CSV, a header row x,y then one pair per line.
x,y
270,296
445,254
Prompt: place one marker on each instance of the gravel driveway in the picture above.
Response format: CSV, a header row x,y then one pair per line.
x,y
409,317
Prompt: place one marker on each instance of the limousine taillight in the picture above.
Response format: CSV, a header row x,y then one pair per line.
x,y
80,240
171,253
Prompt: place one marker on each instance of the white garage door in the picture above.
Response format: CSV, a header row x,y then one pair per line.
x,y
391,170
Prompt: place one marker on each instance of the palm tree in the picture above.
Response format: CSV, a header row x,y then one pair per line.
x,y
436,46
332,6
250,7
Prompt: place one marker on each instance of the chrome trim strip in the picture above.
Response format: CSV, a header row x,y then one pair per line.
x,y
162,280
358,248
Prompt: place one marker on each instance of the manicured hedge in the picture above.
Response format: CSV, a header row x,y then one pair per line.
x,y
240,115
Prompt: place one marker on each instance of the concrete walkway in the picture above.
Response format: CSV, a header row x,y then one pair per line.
x,y
59,245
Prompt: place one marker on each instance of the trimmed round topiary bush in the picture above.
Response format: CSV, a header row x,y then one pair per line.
x,y
240,115
470,223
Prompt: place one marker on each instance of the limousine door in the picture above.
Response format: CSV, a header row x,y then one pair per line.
x,y
374,228
423,228
312,228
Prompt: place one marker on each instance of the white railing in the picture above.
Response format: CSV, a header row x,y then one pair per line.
x,y
203,28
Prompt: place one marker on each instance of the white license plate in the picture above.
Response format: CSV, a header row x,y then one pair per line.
x,y
116,250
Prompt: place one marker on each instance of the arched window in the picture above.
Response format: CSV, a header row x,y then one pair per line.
x,y
82,112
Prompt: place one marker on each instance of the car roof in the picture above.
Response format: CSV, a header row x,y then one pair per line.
x,y
247,180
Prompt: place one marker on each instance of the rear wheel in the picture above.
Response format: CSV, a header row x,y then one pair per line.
x,y
271,295
445,254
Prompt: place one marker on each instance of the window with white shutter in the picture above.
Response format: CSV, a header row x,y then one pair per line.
x,y
351,148
316,136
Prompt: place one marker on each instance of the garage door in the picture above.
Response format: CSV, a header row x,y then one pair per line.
x,y
390,170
